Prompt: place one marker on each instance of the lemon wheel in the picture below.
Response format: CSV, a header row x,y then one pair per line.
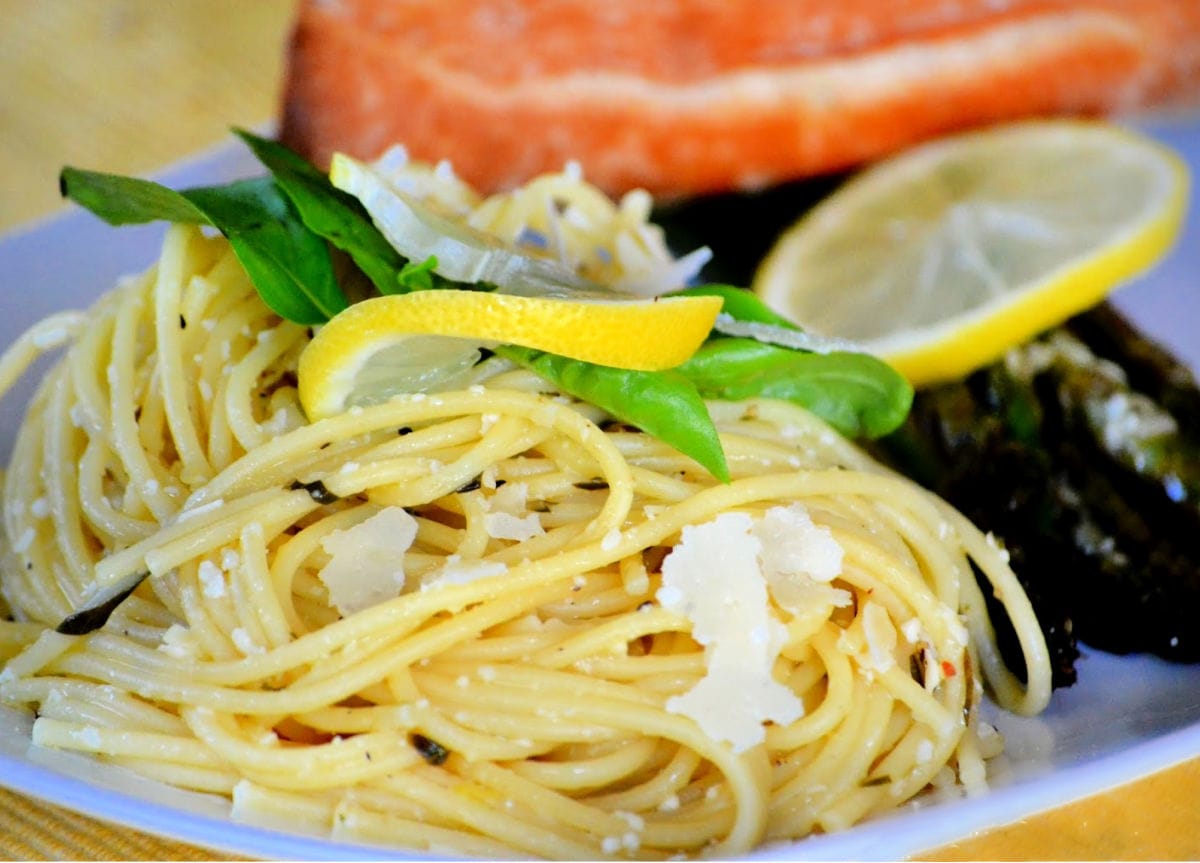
x,y
940,259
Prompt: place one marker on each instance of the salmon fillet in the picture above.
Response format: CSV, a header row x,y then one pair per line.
x,y
683,97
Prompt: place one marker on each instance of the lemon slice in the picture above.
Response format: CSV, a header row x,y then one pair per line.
x,y
394,344
940,259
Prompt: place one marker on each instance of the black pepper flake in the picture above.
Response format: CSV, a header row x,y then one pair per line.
x,y
182,322
403,430
473,485
432,751
594,484
916,666
316,490
875,780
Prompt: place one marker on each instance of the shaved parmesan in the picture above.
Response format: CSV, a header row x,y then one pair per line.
x,y
800,558
366,564
507,518
714,578
793,544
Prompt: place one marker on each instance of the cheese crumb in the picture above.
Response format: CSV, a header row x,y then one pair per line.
x,y
457,571
502,525
880,635
714,578
178,642
924,751
244,642
366,563
507,518
212,580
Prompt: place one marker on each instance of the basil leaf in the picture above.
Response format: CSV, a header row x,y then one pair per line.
x,y
663,404
858,394
330,212
418,277
127,200
740,304
289,265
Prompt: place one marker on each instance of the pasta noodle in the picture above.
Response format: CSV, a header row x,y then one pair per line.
x,y
519,689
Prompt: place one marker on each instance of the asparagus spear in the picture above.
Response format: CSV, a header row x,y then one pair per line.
x,y
1138,477
1149,368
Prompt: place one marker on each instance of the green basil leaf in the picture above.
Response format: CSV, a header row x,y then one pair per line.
x,y
289,265
330,212
127,200
740,304
858,394
662,404
423,276
418,277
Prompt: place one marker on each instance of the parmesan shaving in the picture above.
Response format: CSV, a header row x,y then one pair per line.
x,y
713,577
366,564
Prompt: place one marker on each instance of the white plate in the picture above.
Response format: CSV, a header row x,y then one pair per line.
x,y
1126,717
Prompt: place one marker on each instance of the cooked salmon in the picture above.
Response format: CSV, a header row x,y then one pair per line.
x,y
691,96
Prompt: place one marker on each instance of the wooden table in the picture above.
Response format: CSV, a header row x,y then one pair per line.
x,y
131,85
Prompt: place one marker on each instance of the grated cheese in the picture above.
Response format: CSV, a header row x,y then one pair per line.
x,y
212,580
457,571
502,525
507,518
881,637
366,563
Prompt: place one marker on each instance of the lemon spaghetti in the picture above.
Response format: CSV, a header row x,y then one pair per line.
x,y
489,620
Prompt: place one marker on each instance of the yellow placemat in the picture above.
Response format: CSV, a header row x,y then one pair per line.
x,y
32,830
127,86
132,85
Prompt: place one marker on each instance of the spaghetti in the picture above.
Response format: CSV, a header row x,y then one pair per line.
x,y
453,621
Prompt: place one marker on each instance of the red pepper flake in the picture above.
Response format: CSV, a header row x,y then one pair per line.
x,y
948,669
